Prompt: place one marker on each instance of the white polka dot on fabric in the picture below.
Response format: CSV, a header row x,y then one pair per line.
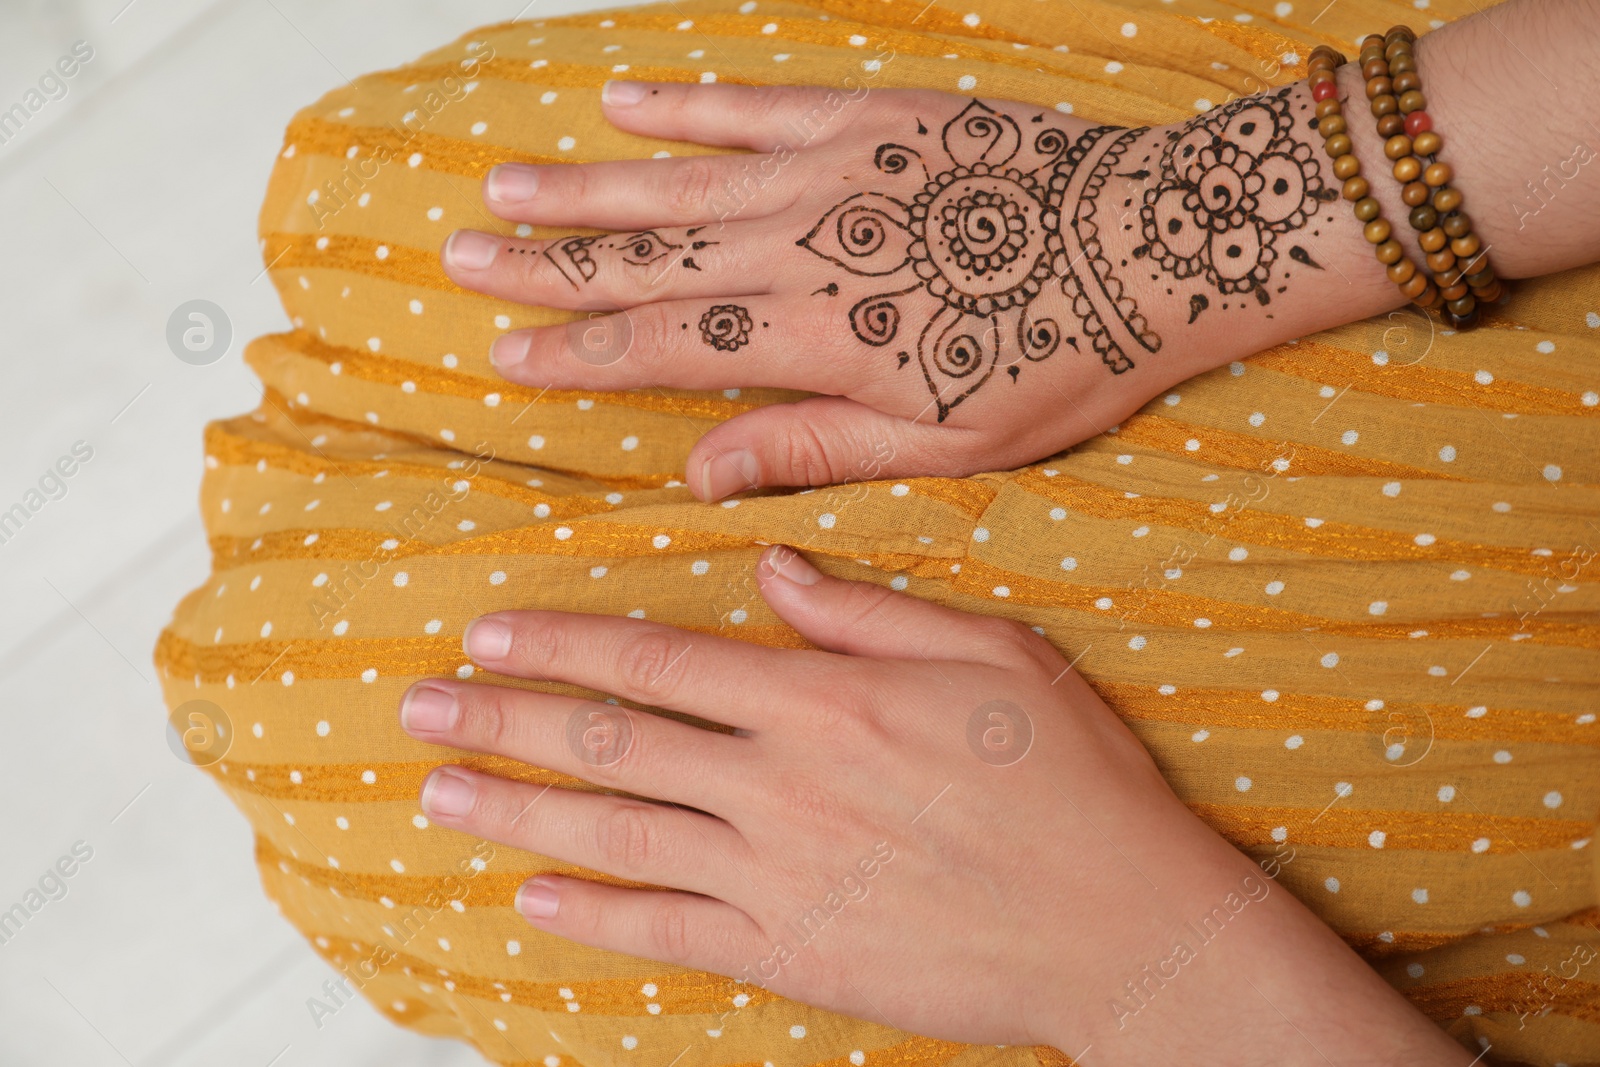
x,y
1419,895
1331,885
1522,898
967,83
1129,29
1552,799
1242,784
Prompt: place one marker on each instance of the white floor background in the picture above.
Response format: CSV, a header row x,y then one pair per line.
x,y
133,193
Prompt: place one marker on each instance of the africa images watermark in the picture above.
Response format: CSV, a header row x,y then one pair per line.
x,y
51,886
52,485
1142,988
350,184
53,85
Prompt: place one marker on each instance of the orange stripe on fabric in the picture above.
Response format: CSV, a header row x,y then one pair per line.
x,y
1234,709
1165,606
231,450
1246,452
1335,540
1511,993
387,370
387,146
346,658
1419,382
1341,827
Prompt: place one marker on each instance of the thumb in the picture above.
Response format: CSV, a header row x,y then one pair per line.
x,y
863,619
824,440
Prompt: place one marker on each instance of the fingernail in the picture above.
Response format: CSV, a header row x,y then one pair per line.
x,y
790,564
487,639
509,349
448,794
471,250
728,472
537,900
512,183
621,94
428,709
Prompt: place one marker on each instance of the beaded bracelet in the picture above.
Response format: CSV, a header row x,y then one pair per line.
x,y
1455,255
1414,284
1461,277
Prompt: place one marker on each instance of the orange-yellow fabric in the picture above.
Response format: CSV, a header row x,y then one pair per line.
x,y
1344,591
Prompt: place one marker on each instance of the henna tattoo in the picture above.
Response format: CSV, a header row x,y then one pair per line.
x,y
1232,183
575,257
970,241
726,327
1109,317
998,245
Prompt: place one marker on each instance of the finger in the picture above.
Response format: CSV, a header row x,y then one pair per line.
x,y
618,836
716,678
639,193
687,344
826,440
863,619
696,932
601,743
618,270
762,118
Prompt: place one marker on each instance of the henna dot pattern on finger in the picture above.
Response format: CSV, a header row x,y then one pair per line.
x,y
576,258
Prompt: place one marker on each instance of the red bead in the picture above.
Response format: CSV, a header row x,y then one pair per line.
x,y
1324,90
1418,122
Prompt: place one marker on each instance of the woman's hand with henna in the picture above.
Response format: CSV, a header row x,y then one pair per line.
x,y
931,822
972,284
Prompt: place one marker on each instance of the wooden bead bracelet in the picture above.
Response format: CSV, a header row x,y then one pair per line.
x,y
1331,123
1458,277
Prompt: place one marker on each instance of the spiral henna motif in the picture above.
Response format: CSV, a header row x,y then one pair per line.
x,y
958,354
876,320
993,223
861,231
895,158
725,327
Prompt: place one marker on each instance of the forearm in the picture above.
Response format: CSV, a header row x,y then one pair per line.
x,y
1237,972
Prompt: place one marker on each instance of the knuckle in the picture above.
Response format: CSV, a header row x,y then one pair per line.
x,y
535,641
805,453
1007,641
669,932
486,717
805,800
690,186
647,662
624,838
